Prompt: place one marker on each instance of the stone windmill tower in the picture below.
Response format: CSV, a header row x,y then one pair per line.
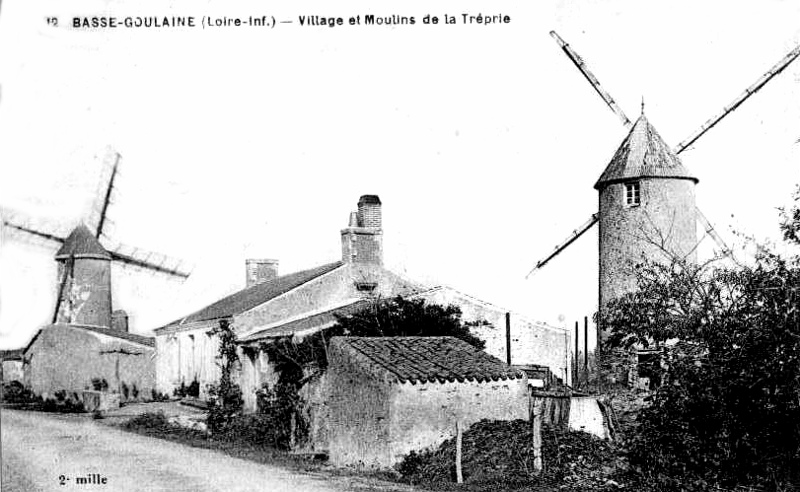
x,y
646,209
83,290
646,206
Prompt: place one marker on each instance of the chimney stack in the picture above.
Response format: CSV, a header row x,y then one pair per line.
x,y
259,271
369,211
119,320
362,240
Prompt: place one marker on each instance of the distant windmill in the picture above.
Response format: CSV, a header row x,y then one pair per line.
x,y
84,265
646,190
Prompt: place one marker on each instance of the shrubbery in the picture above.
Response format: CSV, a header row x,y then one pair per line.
x,y
16,392
727,412
225,402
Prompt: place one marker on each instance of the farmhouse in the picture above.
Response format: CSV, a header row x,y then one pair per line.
x,y
301,303
392,395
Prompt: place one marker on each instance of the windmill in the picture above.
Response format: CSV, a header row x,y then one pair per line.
x,y
83,293
646,195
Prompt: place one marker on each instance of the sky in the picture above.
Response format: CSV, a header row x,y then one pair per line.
x,y
482,141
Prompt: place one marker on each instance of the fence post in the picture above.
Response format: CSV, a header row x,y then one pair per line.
x,y
537,436
459,477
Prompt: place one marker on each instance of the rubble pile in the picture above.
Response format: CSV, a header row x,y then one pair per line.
x,y
498,452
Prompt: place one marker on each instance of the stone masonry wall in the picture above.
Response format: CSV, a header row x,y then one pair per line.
x,y
66,358
185,356
630,234
358,414
424,415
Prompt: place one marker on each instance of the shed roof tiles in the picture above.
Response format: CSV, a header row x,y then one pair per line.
x,y
427,359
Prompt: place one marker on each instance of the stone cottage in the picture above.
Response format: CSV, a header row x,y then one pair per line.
x,y
70,357
389,396
301,303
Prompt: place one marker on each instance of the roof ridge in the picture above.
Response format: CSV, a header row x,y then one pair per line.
x,y
255,295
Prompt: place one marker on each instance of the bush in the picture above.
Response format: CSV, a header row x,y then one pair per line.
x,y
61,404
156,395
99,384
15,392
193,389
125,391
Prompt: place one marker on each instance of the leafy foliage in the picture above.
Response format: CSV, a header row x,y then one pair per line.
x,y
383,318
16,392
99,384
727,411
192,390
225,404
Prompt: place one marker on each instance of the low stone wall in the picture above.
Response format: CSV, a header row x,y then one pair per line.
x,y
99,401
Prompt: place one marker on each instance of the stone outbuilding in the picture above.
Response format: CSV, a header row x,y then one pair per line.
x,y
389,396
11,369
70,357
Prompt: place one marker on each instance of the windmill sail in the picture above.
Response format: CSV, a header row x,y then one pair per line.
x,y
98,220
145,260
561,247
17,223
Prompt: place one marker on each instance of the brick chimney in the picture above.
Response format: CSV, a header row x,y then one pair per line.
x,y
119,320
259,271
362,240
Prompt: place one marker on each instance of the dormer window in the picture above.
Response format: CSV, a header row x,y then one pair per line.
x,y
632,194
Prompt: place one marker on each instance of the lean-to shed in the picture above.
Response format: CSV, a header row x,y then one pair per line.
x,y
388,396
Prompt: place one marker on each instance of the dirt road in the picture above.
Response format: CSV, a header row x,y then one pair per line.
x,y
42,452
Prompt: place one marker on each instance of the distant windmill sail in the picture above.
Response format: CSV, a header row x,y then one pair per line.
x,y
106,201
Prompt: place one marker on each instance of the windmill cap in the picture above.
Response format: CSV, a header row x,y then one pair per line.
x,y
81,243
643,154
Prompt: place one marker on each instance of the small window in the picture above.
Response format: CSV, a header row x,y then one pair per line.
x,y
632,195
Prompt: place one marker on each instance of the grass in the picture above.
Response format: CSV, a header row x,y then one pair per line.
x,y
157,425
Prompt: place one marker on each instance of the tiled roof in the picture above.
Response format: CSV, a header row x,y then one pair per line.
x,y
124,335
82,243
643,154
426,359
321,319
131,337
256,295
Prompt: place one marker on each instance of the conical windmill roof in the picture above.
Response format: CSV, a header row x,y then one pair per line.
x,y
81,243
643,154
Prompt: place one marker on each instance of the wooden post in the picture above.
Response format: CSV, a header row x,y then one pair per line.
x,y
537,436
508,338
459,477
292,429
586,347
576,358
